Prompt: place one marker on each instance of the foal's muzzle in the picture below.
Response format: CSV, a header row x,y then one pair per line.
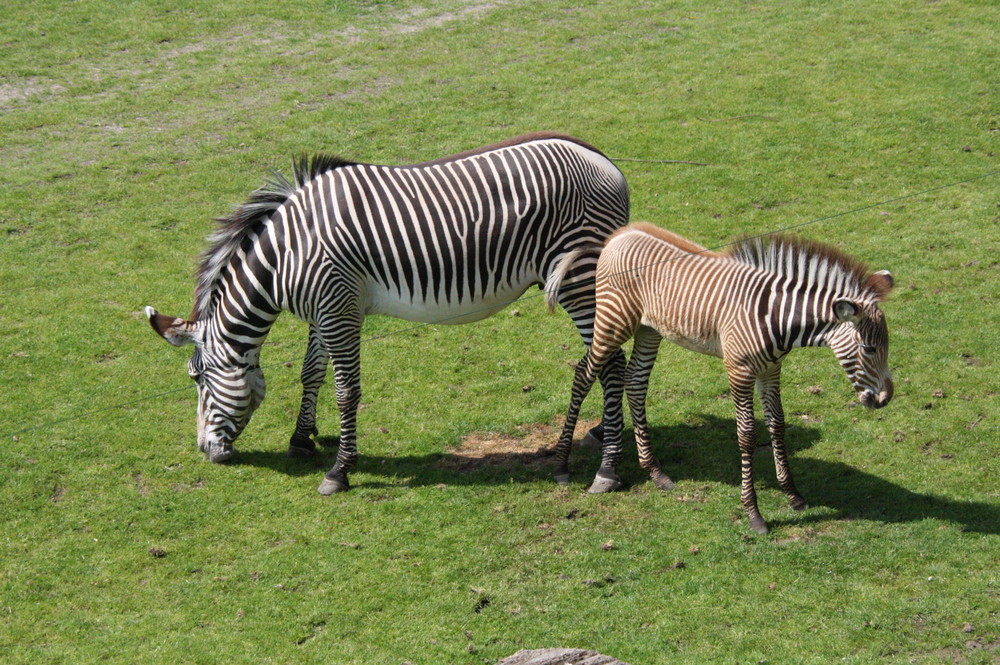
x,y
874,400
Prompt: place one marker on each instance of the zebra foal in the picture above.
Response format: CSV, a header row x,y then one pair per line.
x,y
453,240
749,305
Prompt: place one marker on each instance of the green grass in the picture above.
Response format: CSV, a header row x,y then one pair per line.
x,y
125,128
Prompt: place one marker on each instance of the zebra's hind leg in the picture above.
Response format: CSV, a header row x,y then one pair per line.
x,y
583,381
640,365
611,373
313,374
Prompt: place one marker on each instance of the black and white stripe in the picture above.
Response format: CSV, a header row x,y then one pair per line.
x,y
449,241
750,306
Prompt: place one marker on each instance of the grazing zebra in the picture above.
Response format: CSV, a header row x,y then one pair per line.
x,y
449,241
750,306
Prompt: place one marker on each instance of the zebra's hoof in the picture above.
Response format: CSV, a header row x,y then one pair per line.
x,y
758,525
591,440
219,454
561,478
798,503
328,486
603,484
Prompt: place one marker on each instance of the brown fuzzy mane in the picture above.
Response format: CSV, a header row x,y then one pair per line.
x,y
786,255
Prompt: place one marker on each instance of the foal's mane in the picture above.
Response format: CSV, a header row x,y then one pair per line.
x,y
240,224
788,256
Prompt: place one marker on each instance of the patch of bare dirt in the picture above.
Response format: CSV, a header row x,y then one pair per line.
x,y
421,18
531,446
10,92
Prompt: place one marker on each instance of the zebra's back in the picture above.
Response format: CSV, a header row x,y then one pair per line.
x,y
457,239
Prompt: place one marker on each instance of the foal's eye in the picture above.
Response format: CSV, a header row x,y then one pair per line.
x,y
867,349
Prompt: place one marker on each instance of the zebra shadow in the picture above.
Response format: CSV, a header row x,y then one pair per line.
x,y
703,452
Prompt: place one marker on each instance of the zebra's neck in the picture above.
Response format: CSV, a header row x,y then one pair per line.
x,y
243,305
800,315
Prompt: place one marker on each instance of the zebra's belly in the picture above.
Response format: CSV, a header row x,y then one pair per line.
x,y
710,347
415,307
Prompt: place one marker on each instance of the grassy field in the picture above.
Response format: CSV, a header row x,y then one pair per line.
x,y
124,128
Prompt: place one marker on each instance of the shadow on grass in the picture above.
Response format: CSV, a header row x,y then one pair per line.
x,y
705,453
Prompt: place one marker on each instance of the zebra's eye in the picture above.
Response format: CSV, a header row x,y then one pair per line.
x,y
868,349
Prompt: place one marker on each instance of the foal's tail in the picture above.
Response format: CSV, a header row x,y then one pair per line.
x,y
576,258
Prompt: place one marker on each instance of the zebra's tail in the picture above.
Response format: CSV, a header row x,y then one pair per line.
x,y
555,280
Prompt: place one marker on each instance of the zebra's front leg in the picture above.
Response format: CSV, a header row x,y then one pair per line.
x,y
741,390
611,373
313,374
345,353
769,387
640,366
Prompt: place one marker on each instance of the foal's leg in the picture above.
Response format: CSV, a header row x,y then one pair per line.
x,y
741,384
640,365
583,380
313,374
342,339
606,359
577,297
769,387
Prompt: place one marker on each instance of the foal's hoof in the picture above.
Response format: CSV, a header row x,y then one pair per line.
x,y
561,478
220,453
798,503
759,526
604,483
330,486
297,452
663,482
301,446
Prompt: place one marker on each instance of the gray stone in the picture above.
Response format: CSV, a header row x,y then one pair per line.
x,y
559,657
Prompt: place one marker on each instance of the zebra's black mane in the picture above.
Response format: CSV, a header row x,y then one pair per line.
x,y
234,228
789,256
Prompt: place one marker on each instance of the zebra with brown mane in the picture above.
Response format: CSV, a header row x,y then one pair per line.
x,y
750,305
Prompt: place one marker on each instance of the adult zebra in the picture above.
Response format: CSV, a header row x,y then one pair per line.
x,y
448,241
750,305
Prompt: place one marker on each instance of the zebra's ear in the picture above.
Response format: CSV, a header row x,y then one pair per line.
x,y
176,331
845,310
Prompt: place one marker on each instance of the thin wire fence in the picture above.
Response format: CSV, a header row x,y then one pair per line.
x,y
410,329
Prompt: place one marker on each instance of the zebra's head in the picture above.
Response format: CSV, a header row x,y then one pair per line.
x,y
860,340
229,389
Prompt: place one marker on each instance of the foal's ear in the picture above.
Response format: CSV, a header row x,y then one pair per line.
x,y
176,331
845,310
881,281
